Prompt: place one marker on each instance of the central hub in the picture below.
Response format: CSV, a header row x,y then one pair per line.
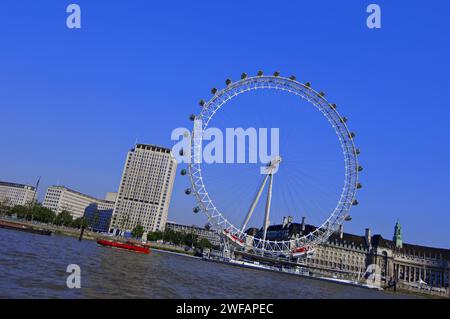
x,y
272,166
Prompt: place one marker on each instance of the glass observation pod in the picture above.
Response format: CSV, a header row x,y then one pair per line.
x,y
302,251
240,242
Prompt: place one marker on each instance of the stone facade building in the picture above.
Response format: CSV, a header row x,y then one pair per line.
x,y
411,264
355,257
212,236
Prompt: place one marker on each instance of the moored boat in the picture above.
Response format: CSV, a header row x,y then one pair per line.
x,y
24,228
127,246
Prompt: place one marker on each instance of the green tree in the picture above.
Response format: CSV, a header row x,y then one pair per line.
x,y
42,214
47,215
21,212
137,231
154,236
190,239
204,243
5,207
80,222
177,238
167,235
63,219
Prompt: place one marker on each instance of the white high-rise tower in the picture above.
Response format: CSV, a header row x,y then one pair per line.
x,y
145,189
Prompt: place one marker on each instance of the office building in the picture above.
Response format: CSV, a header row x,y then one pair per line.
x,y
13,194
61,198
98,218
145,189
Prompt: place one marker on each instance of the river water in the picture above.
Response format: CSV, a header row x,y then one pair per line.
x,y
34,266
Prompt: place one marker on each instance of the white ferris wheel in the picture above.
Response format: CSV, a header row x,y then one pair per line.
x,y
236,233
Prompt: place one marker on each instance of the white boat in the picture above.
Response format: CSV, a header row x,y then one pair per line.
x,y
351,282
255,265
296,271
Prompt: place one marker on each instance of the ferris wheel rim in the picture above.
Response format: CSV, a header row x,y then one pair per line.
x,y
317,99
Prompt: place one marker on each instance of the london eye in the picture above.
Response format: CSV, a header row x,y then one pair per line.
x,y
235,230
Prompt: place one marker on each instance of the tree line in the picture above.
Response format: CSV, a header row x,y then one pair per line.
x,y
36,212
179,238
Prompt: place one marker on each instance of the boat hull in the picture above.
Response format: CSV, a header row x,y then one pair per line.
x,y
24,228
125,246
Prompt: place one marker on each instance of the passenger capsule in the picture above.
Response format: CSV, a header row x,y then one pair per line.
x,y
359,186
321,94
196,209
243,76
355,202
308,84
260,73
188,191
276,73
360,168
202,102
348,218
352,135
343,119
183,172
293,77
357,151
333,106
227,81
213,91
192,117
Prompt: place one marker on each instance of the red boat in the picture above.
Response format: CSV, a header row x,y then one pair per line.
x,y
128,246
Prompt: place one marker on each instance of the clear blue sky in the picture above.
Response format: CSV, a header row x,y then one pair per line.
x,y
72,102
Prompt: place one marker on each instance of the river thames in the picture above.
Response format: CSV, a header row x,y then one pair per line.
x,y
34,266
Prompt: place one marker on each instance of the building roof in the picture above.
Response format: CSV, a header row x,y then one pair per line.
x,y
296,228
17,185
173,224
357,240
153,148
94,199
291,228
411,249
252,231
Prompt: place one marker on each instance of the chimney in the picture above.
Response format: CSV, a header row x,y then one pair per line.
x,y
303,224
341,231
285,221
290,219
368,237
